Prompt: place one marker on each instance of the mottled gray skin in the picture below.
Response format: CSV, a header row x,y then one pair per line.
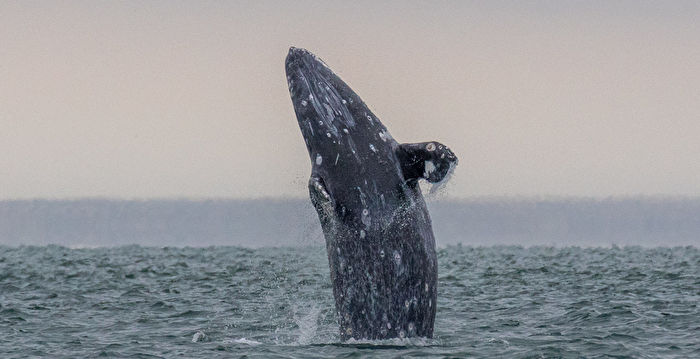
x,y
364,186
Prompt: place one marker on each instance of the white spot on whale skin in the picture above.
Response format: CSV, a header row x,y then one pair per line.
x,y
429,168
319,159
366,219
336,158
346,130
406,304
311,97
371,147
382,136
402,334
303,102
430,147
328,134
320,123
343,101
362,233
397,257
381,253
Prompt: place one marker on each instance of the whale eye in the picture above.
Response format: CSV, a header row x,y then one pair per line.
x,y
430,147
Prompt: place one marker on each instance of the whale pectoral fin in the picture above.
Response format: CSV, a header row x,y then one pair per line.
x,y
320,198
432,161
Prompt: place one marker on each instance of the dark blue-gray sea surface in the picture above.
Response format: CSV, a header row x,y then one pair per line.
x,y
276,302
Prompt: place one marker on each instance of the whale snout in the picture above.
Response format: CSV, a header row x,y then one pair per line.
x,y
297,56
296,51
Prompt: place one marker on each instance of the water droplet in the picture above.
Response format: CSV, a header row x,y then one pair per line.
x,y
411,327
388,325
402,334
381,253
397,257
319,159
362,233
406,304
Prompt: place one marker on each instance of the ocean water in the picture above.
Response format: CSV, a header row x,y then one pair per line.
x,y
223,302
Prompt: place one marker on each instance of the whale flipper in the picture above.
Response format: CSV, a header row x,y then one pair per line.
x,y
428,160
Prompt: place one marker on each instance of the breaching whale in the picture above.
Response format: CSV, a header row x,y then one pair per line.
x,y
364,186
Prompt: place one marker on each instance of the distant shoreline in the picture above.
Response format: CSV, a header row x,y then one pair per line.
x,y
626,221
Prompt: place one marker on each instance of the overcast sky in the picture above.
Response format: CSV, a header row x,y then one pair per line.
x,y
189,99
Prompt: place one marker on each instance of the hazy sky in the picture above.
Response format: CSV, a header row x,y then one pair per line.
x,y
189,99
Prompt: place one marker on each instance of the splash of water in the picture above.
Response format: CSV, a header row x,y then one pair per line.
x,y
308,325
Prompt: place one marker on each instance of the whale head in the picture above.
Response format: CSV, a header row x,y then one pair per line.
x,y
332,117
343,137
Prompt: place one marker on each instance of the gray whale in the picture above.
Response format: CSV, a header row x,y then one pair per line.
x,y
364,186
